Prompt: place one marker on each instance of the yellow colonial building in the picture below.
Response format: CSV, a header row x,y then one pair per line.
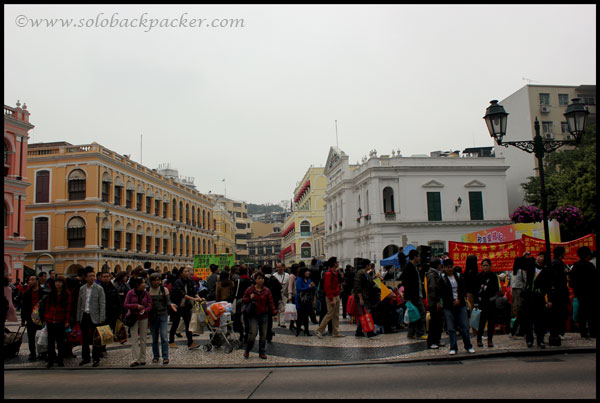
x,y
90,206
225,230
298,242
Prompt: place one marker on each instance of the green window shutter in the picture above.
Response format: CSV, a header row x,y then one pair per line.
x,y
476,205
434,206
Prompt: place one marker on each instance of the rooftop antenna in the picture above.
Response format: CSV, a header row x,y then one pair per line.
x,y
336,136
529,81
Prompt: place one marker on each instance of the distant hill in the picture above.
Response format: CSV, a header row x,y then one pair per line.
x,y
264,208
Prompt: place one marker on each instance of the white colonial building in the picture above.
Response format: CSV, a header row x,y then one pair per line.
x,y
384,203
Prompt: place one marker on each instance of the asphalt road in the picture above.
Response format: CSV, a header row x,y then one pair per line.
x,y
549,377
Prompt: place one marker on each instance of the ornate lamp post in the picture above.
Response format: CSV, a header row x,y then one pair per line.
x,y
496,118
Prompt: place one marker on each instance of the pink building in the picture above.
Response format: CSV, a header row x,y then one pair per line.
x,y
16,128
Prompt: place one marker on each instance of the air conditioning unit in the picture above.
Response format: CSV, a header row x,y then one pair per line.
x,y
544,108
548,136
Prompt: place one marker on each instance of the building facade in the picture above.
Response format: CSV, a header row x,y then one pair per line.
x,y
374,208
547,103
264,250
225,230
16,182
90,206
308,212
239,211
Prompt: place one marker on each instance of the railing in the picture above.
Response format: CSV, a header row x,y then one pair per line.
x,y
9,111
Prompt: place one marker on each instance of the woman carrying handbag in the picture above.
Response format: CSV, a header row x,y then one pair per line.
x,y
139,302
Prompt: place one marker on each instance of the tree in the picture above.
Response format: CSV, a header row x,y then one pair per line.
x,y
570,177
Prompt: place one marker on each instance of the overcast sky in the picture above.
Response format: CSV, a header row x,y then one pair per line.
x,y
257,105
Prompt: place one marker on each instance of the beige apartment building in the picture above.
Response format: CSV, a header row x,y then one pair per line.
x,y
224,230
239,211
547,103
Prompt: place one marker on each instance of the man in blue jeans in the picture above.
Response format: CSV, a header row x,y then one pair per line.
x,y
453,295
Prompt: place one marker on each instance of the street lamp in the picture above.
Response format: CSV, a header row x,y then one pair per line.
x,y
496,118
359,212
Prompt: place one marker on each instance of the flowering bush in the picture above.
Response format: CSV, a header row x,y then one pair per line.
x,y
526,214
390,213
568,215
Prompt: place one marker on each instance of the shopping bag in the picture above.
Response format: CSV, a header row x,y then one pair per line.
x,y
406,318
290,312
366,322
120,332
474,321
575,309
201,315
103,336
74,336
193,325
41,341
351,306
413,312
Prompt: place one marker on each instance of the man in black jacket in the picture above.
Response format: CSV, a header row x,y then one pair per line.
x,y
559,297
433,304
534,295
363,285
275,287
183,295
113,304
211,282
32,296
413,292
584,281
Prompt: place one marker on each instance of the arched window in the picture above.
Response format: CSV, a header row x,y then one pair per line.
x,y
157,242
180,211
305,228
41,233
193,245
187,214
76,233
148,240
187,245
204,246
118,235
139,233
174,210
128,237
193,216
180,245
208,219
305,250
105,233
106,180
42,186
203,219
77,185
165,242
388,200
214,249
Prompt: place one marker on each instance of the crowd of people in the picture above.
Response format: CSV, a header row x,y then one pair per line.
x,y
424,299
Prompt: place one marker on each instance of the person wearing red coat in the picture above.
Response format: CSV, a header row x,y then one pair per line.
x,y
57,318
261,298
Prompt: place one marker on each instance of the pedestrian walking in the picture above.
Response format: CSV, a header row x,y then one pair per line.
x,y
138,302
363,292
331,286
57,318
305,291
91,312
584,280
488,292
211,282
32,297
262,299
558,299
453,297
517,283
413,292
534,295
434,305
114,308
184,295
347,285
240,320
292,292
284,278
274,287
158,318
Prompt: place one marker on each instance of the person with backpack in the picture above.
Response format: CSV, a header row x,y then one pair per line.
x,y
413,293
158,317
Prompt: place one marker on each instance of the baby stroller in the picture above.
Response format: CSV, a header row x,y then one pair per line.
x,y
220,326
12,342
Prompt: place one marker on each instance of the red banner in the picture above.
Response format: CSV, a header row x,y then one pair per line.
x,y
502,254
536,245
